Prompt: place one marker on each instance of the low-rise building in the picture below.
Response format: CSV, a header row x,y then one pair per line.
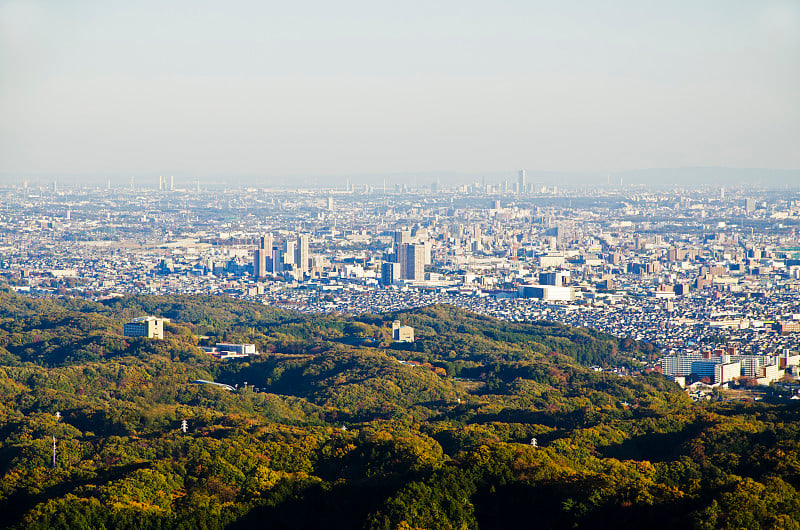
x,y
150,327
402,333
547,292
227,350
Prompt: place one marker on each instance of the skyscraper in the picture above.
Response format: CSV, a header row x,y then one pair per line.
x,y
412,262
401,237
390,272
523,181
288,252
259,263
302,253
265,243
277,261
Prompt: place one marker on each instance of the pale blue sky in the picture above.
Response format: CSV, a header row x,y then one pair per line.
x,y
275,89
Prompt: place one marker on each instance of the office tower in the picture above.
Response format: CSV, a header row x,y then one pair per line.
x,y
160,183
557,231
265,244
171,183
288,252
277,261
132,184
427,250
302,253
420,233
749,205
523,181
259,263
330,203
558,279
400,257
722,194
390,272
412,262
402,237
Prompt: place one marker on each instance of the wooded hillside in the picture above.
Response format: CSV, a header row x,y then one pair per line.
x,y
339,427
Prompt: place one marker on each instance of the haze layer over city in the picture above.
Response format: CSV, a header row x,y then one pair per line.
x,y
315,93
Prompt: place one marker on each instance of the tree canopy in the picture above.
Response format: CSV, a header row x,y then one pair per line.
x,y
333,425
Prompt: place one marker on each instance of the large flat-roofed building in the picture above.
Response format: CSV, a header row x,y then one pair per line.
x,y
227,350
546,292
551,260
402,333
727,372
150,327
241,349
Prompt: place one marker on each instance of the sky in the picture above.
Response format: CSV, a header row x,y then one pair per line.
x,y
282,90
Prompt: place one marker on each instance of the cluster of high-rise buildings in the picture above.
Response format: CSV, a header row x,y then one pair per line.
x,y
290,257
408,257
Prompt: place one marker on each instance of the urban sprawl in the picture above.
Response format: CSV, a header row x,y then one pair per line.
x,y
710,276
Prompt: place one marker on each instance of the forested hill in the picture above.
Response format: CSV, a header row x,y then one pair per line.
x,y
336,426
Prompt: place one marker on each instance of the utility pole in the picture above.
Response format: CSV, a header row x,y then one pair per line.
x,y
54,452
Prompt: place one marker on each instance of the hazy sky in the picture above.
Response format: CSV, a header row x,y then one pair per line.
x,y
321,88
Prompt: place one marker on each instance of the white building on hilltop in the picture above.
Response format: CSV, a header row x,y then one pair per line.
x,y
150,327
402,333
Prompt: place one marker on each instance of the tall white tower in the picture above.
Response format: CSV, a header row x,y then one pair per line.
x,y
302,253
